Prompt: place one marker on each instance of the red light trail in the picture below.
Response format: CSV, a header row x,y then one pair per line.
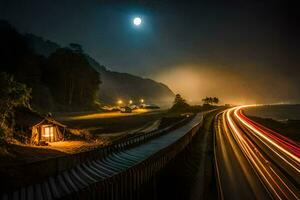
x,y
259,151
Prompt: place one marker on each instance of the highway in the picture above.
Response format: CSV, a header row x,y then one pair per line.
x,y
252,161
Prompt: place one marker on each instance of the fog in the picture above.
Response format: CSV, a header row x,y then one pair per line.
x,y
231,85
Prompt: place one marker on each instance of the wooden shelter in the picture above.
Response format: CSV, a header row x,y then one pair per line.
x,y
41,130
48,130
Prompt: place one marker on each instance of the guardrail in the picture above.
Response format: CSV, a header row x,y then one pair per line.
x,y
217,173
127,184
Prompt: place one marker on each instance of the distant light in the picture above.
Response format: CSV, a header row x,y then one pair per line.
x,y
120,102
142,100
130,101
137,21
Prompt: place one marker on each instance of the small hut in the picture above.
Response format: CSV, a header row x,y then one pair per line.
x,y
47,130
39,129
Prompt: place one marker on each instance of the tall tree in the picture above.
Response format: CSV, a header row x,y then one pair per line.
x,y
180,104
179,100
206,100
210,100
215,100
13,95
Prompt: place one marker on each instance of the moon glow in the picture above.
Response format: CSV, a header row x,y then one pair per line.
x,y
137,21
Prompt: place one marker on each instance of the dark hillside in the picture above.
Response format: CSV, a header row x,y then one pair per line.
x,y
117,85
41,46
57,75
113,85
64,81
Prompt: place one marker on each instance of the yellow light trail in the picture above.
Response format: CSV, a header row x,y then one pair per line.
x,y
262,166
266,140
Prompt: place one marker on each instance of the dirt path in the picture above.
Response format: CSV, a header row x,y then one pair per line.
x,y
71,147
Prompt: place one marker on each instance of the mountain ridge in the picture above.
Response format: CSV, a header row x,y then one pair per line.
x,y
114,85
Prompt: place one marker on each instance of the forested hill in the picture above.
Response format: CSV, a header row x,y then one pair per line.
x,y
126,86
67,78
63,81
41,46
114,85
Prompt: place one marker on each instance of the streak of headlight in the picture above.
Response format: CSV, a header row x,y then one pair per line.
x,y
258,161
265,140
252,157
232,143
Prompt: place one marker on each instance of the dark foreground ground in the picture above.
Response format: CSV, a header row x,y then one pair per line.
x,y
191,174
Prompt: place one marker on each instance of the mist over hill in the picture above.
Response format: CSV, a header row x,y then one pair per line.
x,y
116,85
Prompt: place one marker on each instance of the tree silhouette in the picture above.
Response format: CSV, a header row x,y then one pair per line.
x,y
71,79
13,95
215,100
210,100
179,100
180,104
76,47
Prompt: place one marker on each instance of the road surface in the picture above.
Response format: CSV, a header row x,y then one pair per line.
x,y
253,162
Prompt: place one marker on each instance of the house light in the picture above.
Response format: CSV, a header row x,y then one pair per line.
x,y
48,131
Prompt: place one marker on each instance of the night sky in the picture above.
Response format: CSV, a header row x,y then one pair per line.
x,y
240,51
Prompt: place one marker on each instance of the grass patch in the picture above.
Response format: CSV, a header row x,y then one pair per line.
x,y
114,124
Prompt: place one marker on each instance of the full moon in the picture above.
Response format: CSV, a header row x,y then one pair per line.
x,y
137,21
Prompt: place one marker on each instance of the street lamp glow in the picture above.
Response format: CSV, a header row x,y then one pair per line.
x,y
137,21
130,101
120,102
142,100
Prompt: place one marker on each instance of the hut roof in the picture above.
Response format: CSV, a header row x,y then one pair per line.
x,y
50,121
28,118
